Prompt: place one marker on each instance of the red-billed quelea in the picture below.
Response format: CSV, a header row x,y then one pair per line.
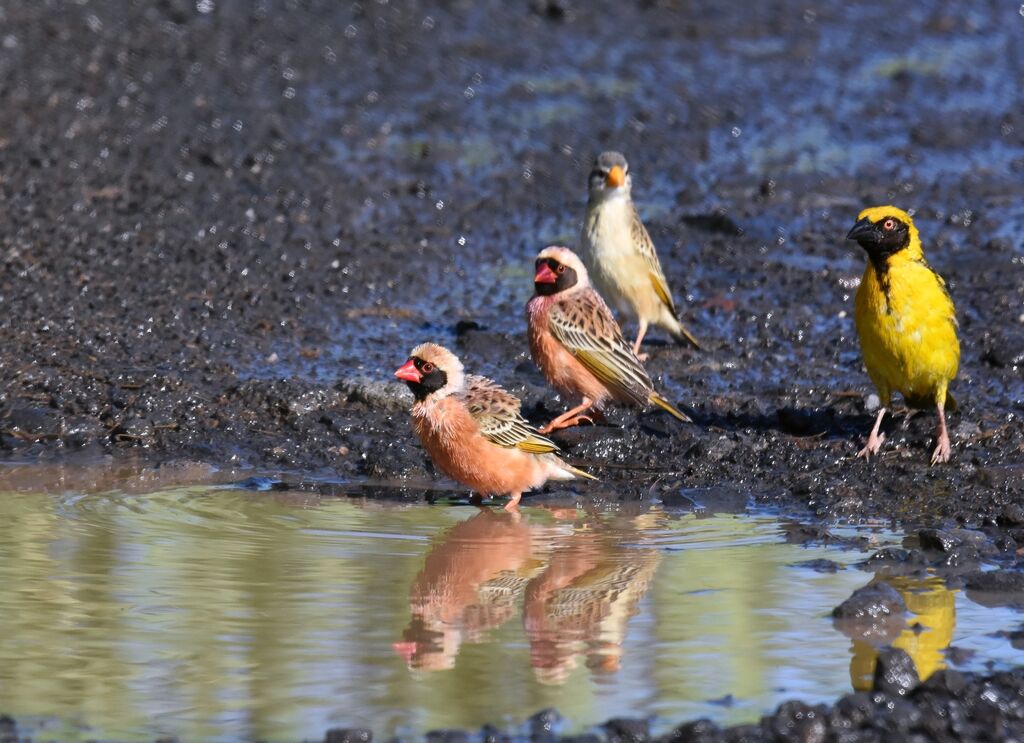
x,y
473,429
621,254
578,345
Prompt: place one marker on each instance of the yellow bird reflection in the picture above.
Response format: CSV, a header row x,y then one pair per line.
x,y
926,636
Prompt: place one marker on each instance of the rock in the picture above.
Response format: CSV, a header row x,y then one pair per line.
x,y
133,431
797,721
447,736
80,431
820,565
966,431
627,730
716,221
487,344
1012,515
543,724
858,708
871,602
713,499
964,554
375,393
311,400
895,673
462,327
1002,353
797,533
897,557
553,10
936,539
31,424
490,734
995,581
698,731
348,735
718,449
1015,636
946,681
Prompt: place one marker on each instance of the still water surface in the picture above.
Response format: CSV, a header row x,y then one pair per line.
x,y
213,612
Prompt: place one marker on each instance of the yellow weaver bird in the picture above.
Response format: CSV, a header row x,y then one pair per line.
x,y
906,322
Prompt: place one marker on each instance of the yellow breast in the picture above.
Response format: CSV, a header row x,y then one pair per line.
x,y
907,327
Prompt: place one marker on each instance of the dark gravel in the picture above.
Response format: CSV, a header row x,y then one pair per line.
x,y
223,223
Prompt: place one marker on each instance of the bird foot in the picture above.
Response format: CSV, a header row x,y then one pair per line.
x,y
642,356
557,425
873,446
513,503
942,450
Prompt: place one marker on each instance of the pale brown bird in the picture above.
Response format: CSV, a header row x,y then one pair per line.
x,y
578,345
622,255
473,430
471,581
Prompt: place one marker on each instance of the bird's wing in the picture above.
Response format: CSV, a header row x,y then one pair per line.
x,y
497,414
645,246
583,324
950,311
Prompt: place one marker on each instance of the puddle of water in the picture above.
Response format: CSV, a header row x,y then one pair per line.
x,y
212,612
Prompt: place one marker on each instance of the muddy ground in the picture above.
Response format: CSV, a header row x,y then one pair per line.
x,y
223,223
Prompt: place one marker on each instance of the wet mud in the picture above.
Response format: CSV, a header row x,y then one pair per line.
x,y
224,223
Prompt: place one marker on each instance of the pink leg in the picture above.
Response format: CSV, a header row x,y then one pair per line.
x,y
942,447
639,339
876,439
513,502
570,417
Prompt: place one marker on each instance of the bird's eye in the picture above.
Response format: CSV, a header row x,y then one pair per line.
x,y
427,367
889,224
560,269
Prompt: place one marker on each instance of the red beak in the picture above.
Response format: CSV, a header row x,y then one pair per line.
x,y
545,275
405,650
409,372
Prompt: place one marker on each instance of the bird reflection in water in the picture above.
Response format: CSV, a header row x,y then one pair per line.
x,y
925,637
577,584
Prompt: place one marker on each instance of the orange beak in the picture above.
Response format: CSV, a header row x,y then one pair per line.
x,y
616,177
545,275
409,372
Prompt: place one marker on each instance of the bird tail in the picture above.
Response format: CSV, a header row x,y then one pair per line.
x,y
577,473
665,405
681,334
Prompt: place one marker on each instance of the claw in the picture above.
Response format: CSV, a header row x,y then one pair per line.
x,y
942,451
873,446
557,425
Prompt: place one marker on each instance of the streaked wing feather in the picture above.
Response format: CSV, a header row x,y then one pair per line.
x,y
644,244
585,326
497,413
